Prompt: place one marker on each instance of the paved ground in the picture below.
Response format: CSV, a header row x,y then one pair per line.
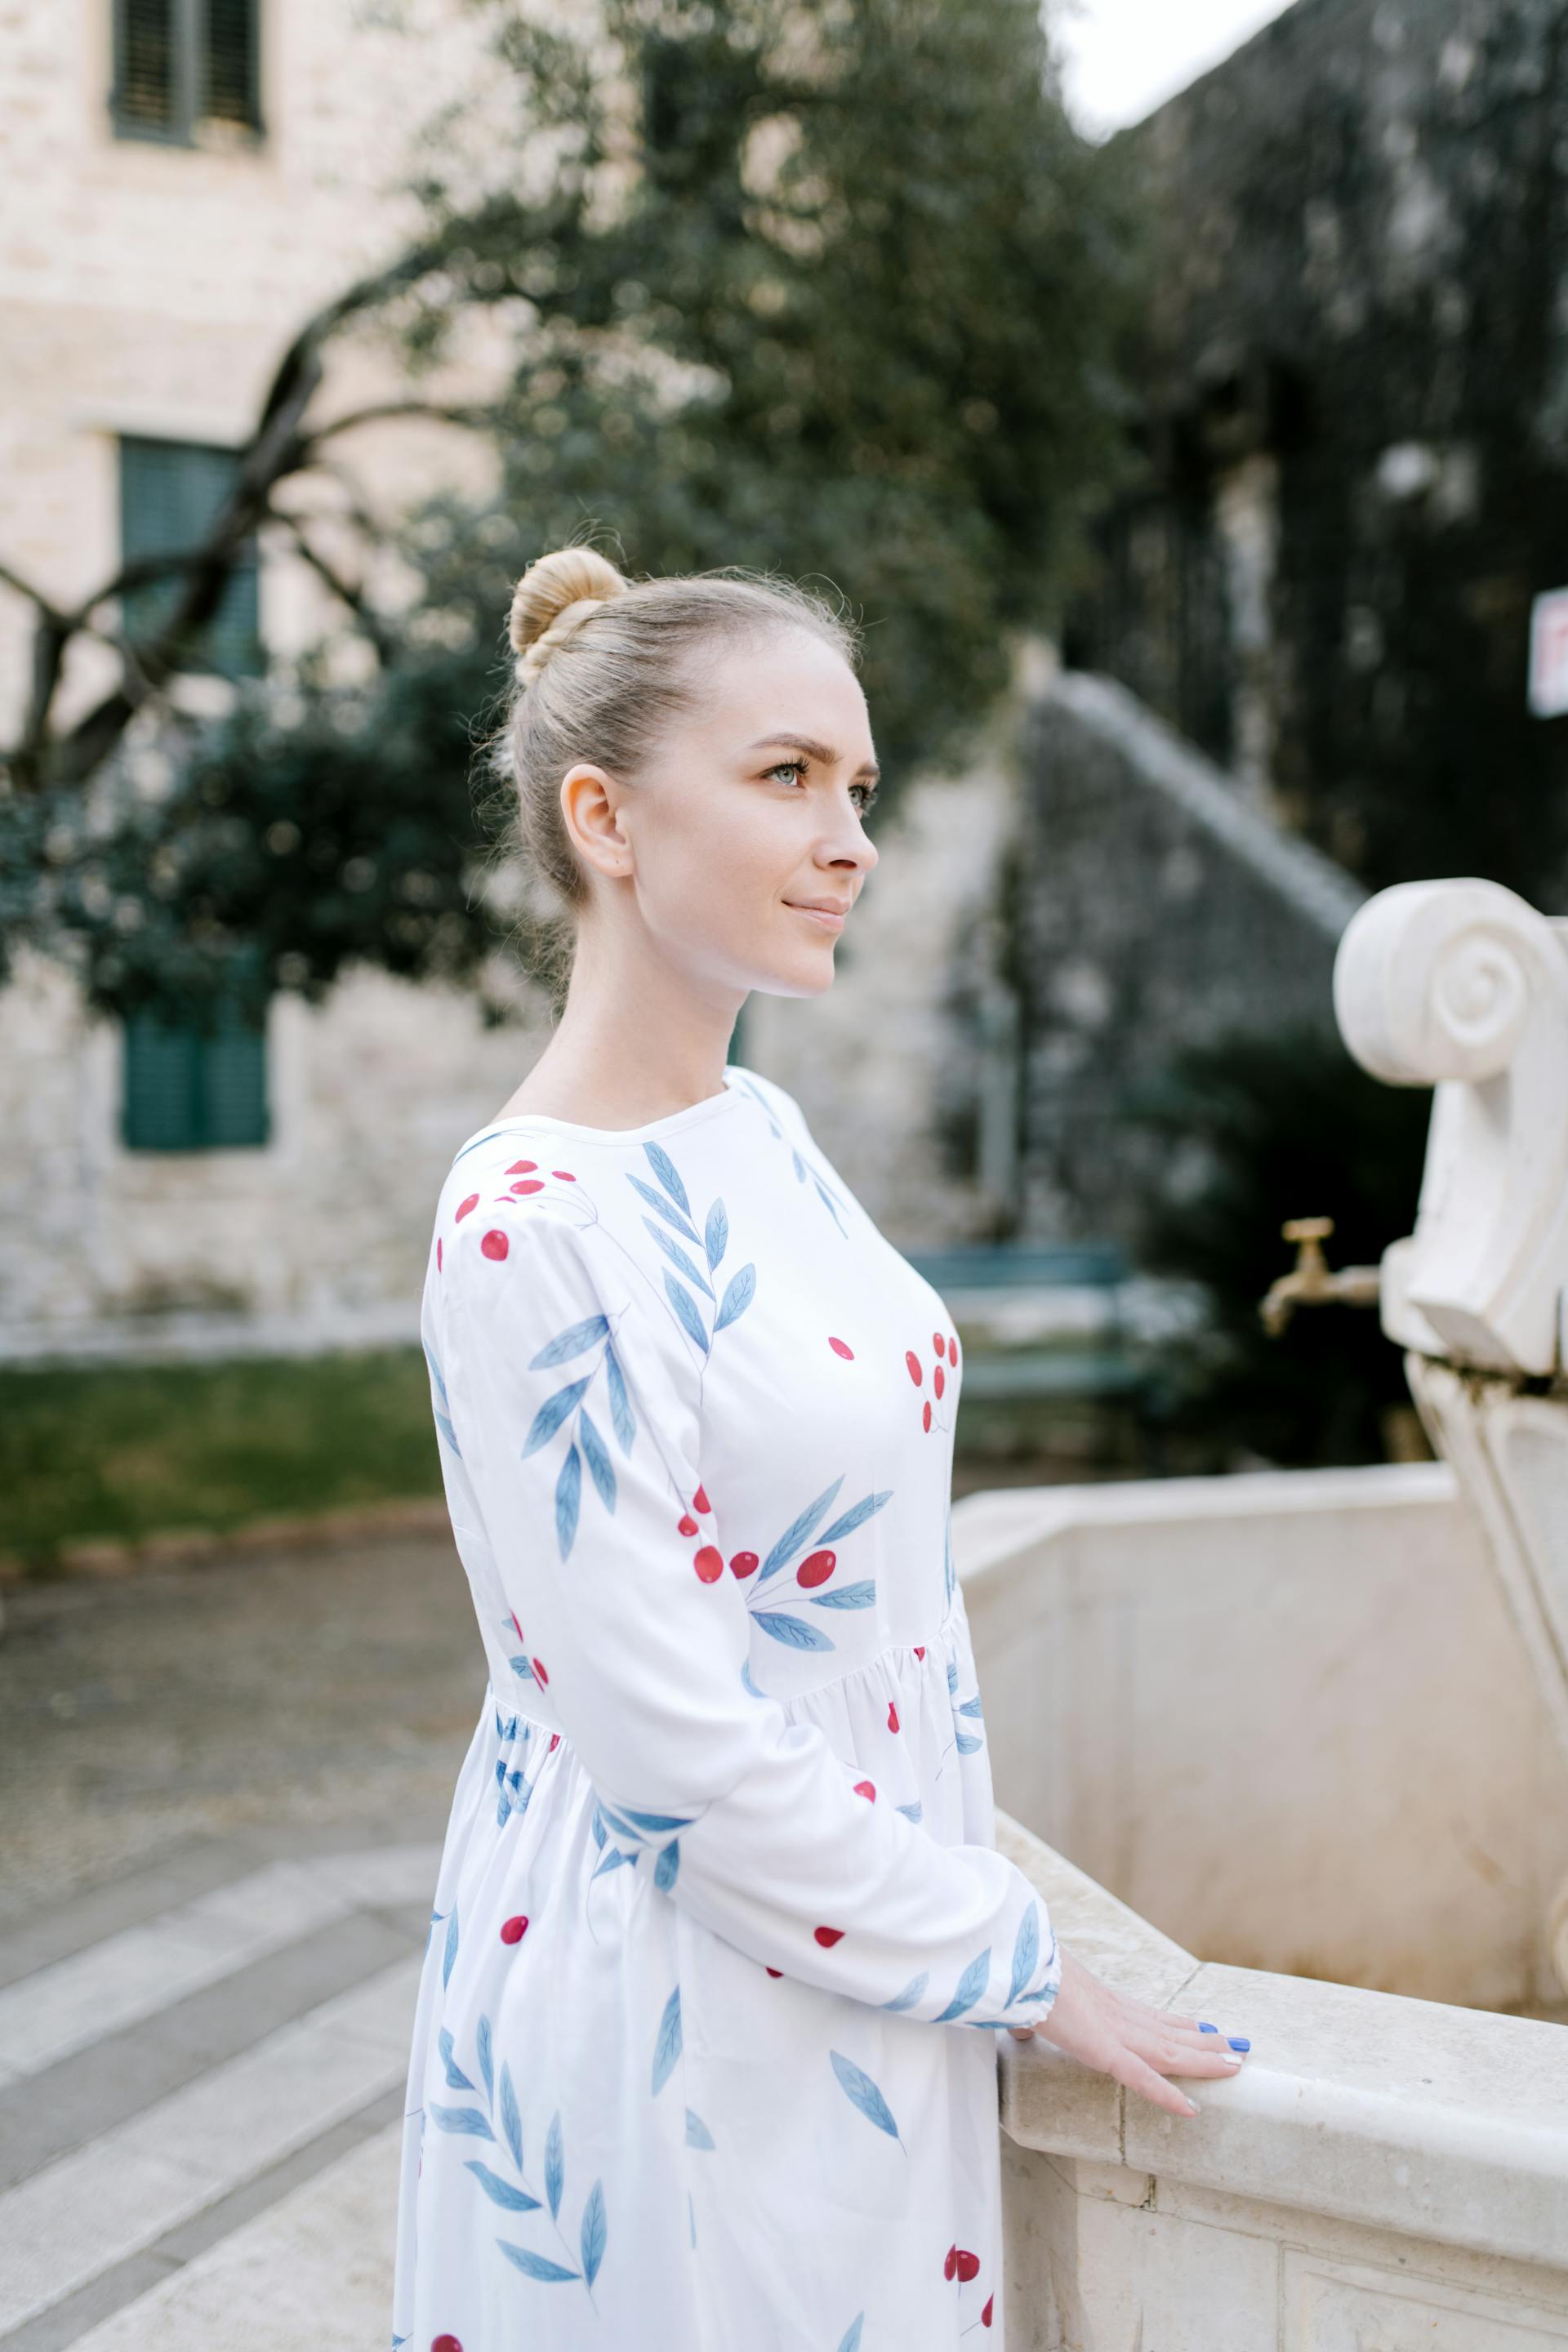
x,y
221,1796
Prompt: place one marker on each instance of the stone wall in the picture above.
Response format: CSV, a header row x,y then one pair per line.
x,y
1154,908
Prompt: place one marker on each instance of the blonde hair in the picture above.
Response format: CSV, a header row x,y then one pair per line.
x,y
603,665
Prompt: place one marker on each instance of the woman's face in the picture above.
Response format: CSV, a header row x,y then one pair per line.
x,y
749,808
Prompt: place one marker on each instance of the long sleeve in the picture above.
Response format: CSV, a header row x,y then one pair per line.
x,y
574,1405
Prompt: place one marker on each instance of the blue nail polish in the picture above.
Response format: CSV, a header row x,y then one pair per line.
x,y
1205,2027
1237,2041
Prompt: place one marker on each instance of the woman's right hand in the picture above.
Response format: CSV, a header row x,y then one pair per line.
x,y
1117,2035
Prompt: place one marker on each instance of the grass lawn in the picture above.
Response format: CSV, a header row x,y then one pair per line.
x,y
129,1452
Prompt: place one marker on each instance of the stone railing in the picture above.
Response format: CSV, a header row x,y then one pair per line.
x,y
1384,2174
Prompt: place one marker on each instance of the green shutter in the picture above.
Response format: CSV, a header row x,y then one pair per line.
x,y
169,492
146,80
231,61
192,1089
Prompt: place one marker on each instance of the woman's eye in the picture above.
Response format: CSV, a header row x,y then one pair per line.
x,y
797,768
786,768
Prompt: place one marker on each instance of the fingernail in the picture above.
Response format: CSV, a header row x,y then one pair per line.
x,y
1238,2042
1205,2027
1193,2110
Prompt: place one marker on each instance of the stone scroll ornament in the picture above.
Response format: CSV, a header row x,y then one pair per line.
x,y
1464,987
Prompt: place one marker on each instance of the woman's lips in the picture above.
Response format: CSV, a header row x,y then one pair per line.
x,y
818,915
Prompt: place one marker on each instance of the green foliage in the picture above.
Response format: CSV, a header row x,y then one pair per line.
x,y
1258,1128
835,296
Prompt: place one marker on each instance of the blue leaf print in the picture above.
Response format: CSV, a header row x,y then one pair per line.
x,y
967,1742
618,1821
440,1384
510,2121
952,1679
551,1413
535,2266
598,1459
747,1680
697,2132
680,1298
500,2191
523,1668
792,1632
554,2165
456,2078
568,1491
504,1810
739,1293
460,2119
851,2341
716,1233
971,1705
679,1258
1026,1952
659,1820
910,1993
597,1826
864,2095
450,1953
570,1342
449,1434
622,1420
666,1866
848,1596
797,1533
483,2042
666,2048
664,1169
971,1985
855,1518
657,1200
910,1812
614,1860
592,2235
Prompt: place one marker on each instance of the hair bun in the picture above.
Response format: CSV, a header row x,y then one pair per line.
x,y
555,595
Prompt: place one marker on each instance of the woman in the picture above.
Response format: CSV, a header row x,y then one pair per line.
x,y
704,2058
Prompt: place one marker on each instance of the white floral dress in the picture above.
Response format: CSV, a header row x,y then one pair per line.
x,y
705,2051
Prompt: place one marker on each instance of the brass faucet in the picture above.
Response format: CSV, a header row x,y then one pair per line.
x,y
1310,1283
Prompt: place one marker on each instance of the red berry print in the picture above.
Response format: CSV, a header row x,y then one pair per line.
x,y
841,1348
437,1257
827,1937
554,1743
919,1649
514,1930
866,1789
913,1361
938,1379
925,1415
519,1635
710,1563
742,1563
968,2265
817,1569
951,2264
495,1244
892,1714
444,2344
986,2312
699,1500
538,1669
471,1202
685,1525
529,1184
523,1167
938,1342
953,1351
772,1972
566,1175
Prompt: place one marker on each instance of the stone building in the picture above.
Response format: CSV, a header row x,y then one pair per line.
x,y
1354,370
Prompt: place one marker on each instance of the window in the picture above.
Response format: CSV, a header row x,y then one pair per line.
x,y
184,69
190,1088
169,492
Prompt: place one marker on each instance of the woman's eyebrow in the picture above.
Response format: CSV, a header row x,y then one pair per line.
x,y
814,751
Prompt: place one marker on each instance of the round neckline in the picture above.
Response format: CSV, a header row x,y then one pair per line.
x,y
670,1124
